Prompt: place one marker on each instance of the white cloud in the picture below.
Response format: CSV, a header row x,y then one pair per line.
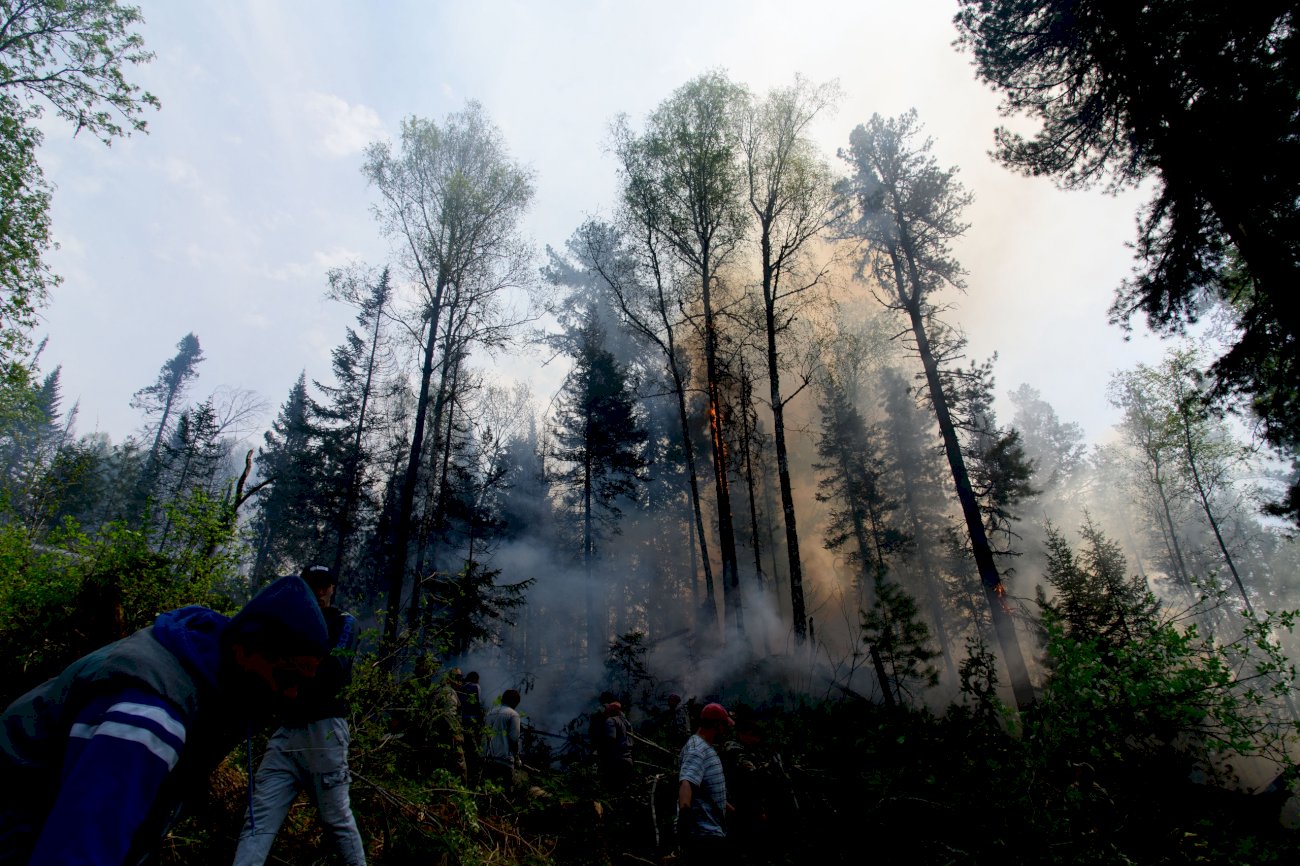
x,y
179,171
343,129
321,261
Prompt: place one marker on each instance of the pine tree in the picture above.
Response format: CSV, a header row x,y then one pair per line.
x,y
898,641
347,418
908,211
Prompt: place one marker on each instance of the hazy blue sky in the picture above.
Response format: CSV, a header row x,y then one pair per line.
x,y
224,219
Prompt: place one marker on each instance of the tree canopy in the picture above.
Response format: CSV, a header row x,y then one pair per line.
x,y
1203,98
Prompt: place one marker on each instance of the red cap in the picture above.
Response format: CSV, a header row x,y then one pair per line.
x,y
613,707
716,713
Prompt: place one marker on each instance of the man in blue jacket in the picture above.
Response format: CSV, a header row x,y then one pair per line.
x,y
310,750
96,761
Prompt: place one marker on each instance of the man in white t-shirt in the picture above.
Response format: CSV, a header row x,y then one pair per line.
x,y
702,791
501,732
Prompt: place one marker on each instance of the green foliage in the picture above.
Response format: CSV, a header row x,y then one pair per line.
x,y
25,279
625,664
900,639
69,54
470,607
1095,596
1201,98
65,593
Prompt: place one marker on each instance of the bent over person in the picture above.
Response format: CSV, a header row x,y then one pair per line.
x,y
96,761
310,751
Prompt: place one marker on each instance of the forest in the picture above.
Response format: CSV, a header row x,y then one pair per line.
x,y
775,475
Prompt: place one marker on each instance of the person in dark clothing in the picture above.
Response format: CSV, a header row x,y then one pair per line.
x,y
596,727
615,756
310,750
471,702
470,695
675,722
97,761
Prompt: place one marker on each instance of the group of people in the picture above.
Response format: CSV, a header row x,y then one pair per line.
x,y
702,804
98,759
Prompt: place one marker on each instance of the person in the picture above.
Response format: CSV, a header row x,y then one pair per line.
x,y
310,749
596,727
750,789
471,702
676,721
501,729
471,719
97,760
615,754
702,791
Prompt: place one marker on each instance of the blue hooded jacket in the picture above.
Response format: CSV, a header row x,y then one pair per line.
x,y
96,760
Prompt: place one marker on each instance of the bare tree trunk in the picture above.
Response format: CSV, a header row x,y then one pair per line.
x,y
406,497
1203,496
746,434
1004,625
798,610
688,446
595,636
722,484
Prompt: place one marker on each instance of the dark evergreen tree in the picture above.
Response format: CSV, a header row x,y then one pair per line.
x,y
600,442
346,420
472,607
898,641
160,402
852,471
287,524
191,463
1094,597
1203,98
1000,472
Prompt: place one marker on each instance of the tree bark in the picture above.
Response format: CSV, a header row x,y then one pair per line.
x,y
1004,625
735,617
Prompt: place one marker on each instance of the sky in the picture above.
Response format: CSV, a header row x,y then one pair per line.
x,y
224,219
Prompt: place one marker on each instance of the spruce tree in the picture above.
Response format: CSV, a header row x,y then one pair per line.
x,y
600,442
852,472
287,525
